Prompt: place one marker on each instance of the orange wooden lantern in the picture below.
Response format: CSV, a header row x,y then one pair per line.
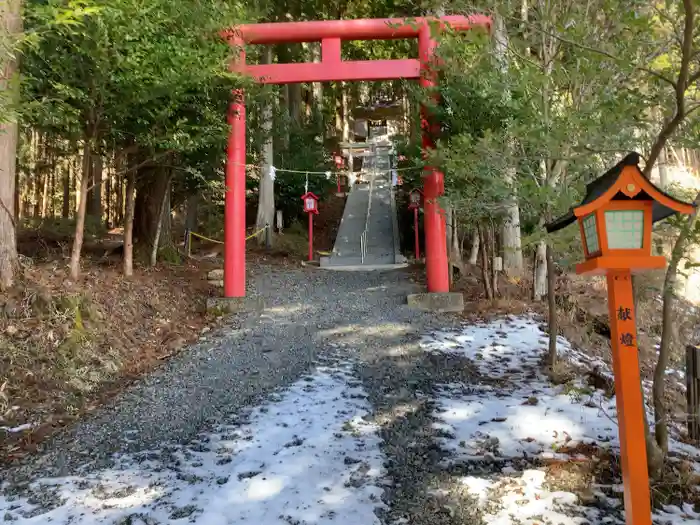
x,y
615,219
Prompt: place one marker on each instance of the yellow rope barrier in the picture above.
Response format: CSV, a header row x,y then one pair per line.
x,y
205,238
191,233
257,233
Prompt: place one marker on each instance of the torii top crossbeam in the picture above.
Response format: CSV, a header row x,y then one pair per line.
x,y
361,29
331,33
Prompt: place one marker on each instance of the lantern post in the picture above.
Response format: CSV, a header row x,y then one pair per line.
x,y
615,220
415,201
311,208
338,166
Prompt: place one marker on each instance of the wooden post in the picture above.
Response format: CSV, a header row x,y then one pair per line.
x,y
188,241
630,404
416,233
268,237
311,236
280,221
692,381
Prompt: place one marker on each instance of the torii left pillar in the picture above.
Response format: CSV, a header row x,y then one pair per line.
x,y
234,299
234,200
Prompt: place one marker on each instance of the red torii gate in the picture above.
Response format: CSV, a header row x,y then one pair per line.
x,y
333,68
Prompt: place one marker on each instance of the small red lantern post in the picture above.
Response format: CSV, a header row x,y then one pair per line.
x,y
339,163
311,208
415,202
615,219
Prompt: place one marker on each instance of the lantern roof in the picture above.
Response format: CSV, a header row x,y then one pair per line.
x,y
308,194
625,182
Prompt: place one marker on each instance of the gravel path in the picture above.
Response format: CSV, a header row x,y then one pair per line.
x,y
327,408
400,386
310,316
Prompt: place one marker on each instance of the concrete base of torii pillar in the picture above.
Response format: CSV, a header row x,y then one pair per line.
x,y
436,302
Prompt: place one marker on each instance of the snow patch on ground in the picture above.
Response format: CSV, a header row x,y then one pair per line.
x,y
15,430
529,422
523,417
307,457
523,500
510,348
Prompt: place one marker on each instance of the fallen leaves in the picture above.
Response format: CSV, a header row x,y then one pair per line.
x,y
125,328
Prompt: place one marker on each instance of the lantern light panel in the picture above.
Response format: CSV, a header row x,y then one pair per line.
x,y
591,233
310,203
625,229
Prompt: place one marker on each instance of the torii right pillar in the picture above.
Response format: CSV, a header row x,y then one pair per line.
x,y
437,270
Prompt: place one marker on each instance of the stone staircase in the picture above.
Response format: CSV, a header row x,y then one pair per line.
x,y
381,238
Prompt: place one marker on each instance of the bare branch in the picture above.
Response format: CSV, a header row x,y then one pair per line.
x,y
680,89
687,50
652,72
512,50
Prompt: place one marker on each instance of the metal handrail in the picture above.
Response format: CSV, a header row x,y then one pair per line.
x,y
363,235
363,245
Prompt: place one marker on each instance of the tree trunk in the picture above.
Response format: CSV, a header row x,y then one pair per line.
x,y
551,306
192,212
454,245
52,186
669,296
77,167
663,169
474,252
24,186
119,205
94,206
164,205
491,256
317,89
152,183
129,224
80,215
511,236
119,163
295,99
541,271
449,217
36,174
339,108
345,108
512,244
295,104
108,199
266,195
166,232
65,211
17,209
485,265
284,105
45,195
655,456
11,12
